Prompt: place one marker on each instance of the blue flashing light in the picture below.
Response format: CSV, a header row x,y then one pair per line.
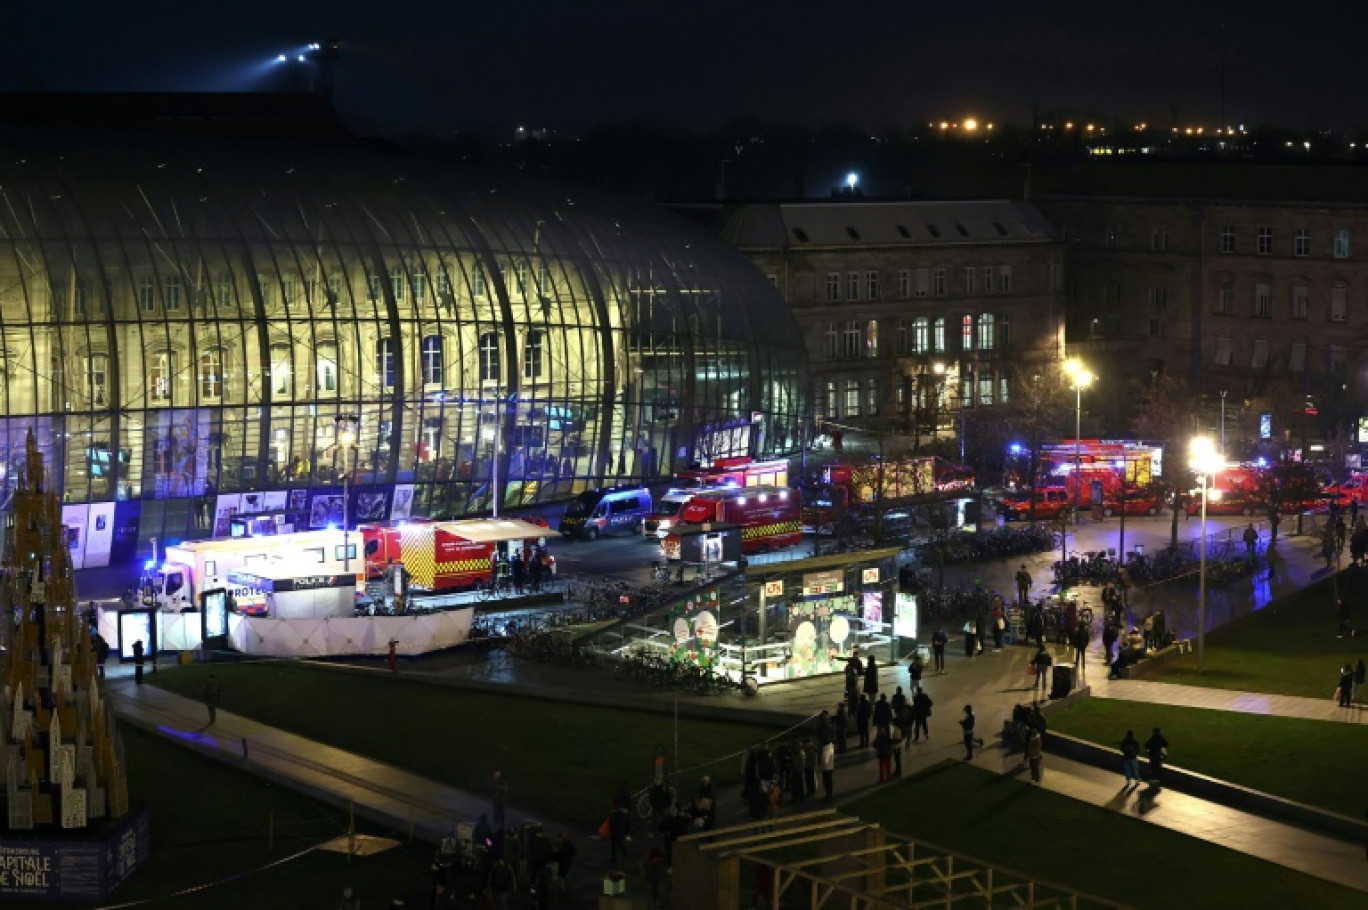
x,y
1262,462
150,564
1015,448
332,526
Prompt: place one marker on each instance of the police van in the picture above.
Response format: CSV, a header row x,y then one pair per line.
x,y
594,513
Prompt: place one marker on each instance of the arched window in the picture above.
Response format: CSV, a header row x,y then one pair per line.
x,y
431,357
211,375
489,357
282,371
327,367
160,369
532,354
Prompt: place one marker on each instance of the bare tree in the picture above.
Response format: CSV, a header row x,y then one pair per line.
x,y
1036,411
1167,412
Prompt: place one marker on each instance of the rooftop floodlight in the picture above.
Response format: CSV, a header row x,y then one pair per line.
x,y
300,58
852,179
280,58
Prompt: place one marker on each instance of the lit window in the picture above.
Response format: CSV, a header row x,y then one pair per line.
x,y
1004,389
431,357
223,291
160,365
966,333
872,396
872,338
832,405
852,398
921,335
938,335
282,371
211,375
327,367
987,335
985,388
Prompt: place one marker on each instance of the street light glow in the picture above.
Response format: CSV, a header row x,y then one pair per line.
x,y
1204,459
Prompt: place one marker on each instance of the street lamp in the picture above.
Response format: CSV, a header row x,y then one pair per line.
x,y
1223,395
1081,378
347,425
1205,461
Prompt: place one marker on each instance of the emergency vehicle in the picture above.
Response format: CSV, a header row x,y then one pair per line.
x,y
445,555
188,569
665,513
739,472
845,487
770,517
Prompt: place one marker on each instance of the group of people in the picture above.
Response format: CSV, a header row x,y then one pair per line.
x,y
1156,750
521,575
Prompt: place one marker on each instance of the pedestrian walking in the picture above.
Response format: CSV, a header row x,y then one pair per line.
x,y
1082,637
138,657
828,765
1251,540
1023,583
1035,753
1042,663
1109,636
1130,758
101,649
971,739
916,666
840,727
938,642
1156,747
999,627
883,712
921,713
854,673
1035,625
1345,692
210,696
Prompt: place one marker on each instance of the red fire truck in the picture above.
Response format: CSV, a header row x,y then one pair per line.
x,y
739,472
770,517
442,555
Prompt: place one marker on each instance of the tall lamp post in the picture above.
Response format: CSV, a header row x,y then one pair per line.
x,y
346,441
1223,395
1081,377
1205,461
491,435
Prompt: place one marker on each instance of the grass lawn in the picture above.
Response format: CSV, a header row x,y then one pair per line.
x,y
1287,648
209,823
1313,762
563,759
1034,831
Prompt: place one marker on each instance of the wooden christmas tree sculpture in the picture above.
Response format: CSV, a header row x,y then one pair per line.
x,y
61,762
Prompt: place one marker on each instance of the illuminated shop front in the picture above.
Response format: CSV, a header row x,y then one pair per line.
x,y
183,321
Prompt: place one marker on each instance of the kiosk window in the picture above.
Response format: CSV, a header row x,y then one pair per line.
x,y
210,567
351,552
174,581
315,552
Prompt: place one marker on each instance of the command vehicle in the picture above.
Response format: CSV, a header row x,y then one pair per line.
x,y
448,555
845,488
1049,502
739,472
770,517
177,581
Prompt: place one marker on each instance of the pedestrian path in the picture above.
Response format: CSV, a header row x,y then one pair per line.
x,y
1326,709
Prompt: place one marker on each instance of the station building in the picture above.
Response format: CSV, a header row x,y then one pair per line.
x,y
226,304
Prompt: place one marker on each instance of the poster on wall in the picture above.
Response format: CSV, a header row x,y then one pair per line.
x,y
74,527
229,504
99,535
299,500
905,615
325,509
402,506
274,500
127,517
371,505
871,609
693,627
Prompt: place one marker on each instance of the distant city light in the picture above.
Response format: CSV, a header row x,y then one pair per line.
x,y
970,125
280,59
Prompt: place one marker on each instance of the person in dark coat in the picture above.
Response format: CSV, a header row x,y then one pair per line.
x,y
871,676
823,728
864,713
854,673
1156,747
883,712
1346,686
1160,630
971,739
921,712
1080,642
1035,625
938,642
840,727
138,657
1042,662
1109,636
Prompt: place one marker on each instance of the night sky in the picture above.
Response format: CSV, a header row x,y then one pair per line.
x,y
449,64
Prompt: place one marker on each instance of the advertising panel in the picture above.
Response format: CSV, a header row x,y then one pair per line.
x,y
74,527
99,535
905,615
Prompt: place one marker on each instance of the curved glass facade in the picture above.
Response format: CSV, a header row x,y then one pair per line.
x,y
183,321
